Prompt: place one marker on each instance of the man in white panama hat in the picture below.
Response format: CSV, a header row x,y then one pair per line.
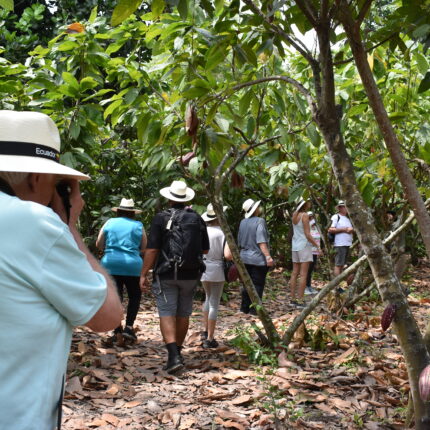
x,y
177,240
342,228
49,281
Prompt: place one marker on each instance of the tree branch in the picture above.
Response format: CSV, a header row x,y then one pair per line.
x,y
309,11
363,12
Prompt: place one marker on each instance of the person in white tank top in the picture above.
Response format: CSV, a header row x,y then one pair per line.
x,y
302,243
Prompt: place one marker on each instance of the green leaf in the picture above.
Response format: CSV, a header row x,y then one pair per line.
x,y
157,7
425,83
112,107
68,45
194,165
93,15
215,56
71,80
313,134
357,109
422,63
245,102
123,10
183,9
7,4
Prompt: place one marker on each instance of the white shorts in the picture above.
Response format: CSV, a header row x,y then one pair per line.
x,y
303,256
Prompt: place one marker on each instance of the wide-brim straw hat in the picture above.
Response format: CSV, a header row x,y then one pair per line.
x,y
300,205
249,206
178,192
30,143
127,205
210,214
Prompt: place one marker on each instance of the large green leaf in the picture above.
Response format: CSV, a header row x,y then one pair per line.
x,y
7,4
183,9
425,83
123,10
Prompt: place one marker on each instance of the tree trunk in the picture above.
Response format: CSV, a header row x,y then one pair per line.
x,y
352,30
327,118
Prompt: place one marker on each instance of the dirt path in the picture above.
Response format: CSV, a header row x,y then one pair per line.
x,y
341,373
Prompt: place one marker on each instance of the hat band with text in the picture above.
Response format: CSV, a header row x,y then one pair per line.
x,y
29,150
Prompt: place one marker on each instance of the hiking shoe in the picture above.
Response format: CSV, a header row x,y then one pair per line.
x,y
310,291
129,333
210,343
298,304
173,365
203,335
340,290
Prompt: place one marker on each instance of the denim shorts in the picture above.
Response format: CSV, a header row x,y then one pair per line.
x,y
174,298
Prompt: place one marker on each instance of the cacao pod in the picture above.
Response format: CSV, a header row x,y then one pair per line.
x,y
387,316
191,120
185,159
237,180
424,384
233,274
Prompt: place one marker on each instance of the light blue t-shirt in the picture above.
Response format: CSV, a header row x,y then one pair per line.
x,y
252,231
46,287
123,237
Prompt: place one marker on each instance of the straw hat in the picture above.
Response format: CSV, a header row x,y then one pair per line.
x,y
300,205
210,214
127,205
30,143
178,192
249,206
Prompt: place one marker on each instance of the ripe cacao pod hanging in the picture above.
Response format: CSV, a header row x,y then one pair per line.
x,y
191,120
185,159
424,384
237,180
387,316
233,274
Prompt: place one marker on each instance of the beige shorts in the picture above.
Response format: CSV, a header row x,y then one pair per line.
x,y
303,256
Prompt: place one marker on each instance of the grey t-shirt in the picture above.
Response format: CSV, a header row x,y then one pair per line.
x,y
252,231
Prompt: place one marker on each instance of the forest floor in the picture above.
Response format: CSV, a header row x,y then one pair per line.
x,y
340,373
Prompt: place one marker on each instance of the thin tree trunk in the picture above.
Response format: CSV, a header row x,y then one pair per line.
x,y
352,30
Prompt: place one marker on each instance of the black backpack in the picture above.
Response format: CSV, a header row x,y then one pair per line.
x,y
182,242
331,236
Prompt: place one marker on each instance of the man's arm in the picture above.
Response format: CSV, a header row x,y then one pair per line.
x,y
110,314
265,250
149,261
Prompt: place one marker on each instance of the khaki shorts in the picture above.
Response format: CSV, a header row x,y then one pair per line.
x,y
303,256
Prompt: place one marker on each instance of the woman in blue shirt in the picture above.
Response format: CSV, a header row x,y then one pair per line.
x,y
123,239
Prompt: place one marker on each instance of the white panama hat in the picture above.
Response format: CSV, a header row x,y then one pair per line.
x,y
341,203
178,192
127,205
30,143
300,205
210,214
249,206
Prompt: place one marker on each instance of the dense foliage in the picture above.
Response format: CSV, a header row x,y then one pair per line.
x,y
119,95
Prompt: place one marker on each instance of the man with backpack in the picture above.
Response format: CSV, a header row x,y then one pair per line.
x,y
177,241
342,230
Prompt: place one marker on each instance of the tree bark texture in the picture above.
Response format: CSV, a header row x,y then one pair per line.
x,y
352,30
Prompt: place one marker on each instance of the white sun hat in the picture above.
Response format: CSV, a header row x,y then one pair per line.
x,y
127,205
210,214
178,192
249,206
300,205
341,203
30,143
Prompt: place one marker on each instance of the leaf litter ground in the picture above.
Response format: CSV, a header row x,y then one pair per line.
x,y
340,373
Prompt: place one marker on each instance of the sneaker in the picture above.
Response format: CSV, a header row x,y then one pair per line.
x,y
173,365
210,343
340,290
310,291
129,333
203,335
